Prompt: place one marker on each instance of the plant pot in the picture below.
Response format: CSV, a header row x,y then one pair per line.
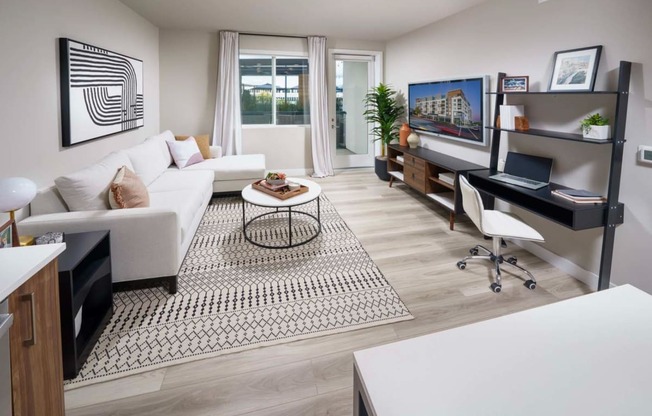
x,y
403,134
598,133
381,168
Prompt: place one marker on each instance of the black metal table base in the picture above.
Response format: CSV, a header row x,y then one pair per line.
x,y
290,213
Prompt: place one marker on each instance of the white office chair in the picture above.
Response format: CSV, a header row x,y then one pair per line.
x,y
497,225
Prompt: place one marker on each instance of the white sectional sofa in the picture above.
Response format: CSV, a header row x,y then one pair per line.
x,y
146,243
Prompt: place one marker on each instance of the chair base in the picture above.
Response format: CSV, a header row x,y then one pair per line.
x,y
497,259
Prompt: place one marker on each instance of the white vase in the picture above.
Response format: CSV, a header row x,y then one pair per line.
x,y
413,140
598,133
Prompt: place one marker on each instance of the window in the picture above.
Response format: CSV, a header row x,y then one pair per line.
x,y
274,90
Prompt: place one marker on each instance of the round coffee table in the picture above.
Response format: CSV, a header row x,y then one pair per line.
x,y
281,207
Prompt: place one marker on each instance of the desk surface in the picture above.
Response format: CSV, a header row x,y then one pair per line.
x,y
543,203
585,356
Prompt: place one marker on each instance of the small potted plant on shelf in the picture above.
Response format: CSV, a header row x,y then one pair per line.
x,y
596,127
384,111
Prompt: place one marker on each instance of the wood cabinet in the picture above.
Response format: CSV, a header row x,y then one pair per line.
x,y
35,344
421,168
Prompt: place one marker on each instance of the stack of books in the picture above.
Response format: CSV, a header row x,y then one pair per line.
x,y
579,196
399,158
448,177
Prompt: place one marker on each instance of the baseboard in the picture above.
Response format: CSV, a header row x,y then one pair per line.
x,y
293,172
565,265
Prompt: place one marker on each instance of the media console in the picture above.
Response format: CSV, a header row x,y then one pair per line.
x,y
420,169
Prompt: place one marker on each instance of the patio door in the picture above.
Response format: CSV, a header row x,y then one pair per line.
x,y
351,76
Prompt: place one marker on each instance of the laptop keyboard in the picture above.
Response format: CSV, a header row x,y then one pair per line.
x,y
517,180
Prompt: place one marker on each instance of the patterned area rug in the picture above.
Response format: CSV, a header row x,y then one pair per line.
x,y
234,295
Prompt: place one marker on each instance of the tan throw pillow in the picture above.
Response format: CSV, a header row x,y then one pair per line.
x,y
128,191
203,142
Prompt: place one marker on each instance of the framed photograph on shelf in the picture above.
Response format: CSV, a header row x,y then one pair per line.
x,y
6,235
575,69
515,84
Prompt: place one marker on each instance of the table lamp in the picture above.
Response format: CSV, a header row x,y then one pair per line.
x,y
15,193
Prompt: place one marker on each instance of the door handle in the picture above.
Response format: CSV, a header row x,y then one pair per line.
x,y
30,298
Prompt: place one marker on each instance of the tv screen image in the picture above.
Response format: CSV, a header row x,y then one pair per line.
x,y
451,108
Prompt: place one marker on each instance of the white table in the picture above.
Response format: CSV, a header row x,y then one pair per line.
x,y
589,355
261,199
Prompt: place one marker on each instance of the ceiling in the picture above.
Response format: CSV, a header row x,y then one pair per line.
x,y
378,20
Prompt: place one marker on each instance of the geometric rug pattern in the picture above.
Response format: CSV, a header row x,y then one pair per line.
x,y
234,295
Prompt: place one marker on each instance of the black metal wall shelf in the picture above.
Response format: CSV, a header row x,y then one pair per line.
x,y
606,215
555,135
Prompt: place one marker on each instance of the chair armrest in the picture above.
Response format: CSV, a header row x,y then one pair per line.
x,y
216,152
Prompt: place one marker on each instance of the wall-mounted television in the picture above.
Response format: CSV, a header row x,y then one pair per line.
x,y
454,108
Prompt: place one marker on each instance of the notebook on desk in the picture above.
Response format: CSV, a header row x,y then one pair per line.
x,y
532,172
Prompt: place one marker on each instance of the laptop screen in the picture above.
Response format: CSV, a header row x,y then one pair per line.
x,y
528,166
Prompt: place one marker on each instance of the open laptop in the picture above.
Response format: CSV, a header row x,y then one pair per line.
x,y
532,172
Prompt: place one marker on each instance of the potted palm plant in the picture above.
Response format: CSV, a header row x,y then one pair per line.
x,y
384,111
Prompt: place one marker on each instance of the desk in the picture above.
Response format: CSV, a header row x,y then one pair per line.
x,y
541,202
584,356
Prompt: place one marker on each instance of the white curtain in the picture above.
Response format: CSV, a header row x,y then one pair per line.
x,y
321,154
227,130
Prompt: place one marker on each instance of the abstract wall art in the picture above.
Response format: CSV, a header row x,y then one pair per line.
x,y
101,92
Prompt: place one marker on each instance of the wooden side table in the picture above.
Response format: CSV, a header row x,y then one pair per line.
x,y
84,281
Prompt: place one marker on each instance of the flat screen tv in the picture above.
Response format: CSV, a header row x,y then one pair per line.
x,y
453,108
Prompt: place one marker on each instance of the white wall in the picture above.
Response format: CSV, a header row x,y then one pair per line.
x,y
519,38
188,86
29,86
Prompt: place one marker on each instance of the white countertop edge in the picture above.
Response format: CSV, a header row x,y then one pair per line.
x,y
19,264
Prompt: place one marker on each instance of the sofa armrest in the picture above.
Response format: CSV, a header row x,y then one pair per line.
x,y
216,152
145,242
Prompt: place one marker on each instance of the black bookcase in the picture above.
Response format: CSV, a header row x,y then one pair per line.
x,y
84,280
541,202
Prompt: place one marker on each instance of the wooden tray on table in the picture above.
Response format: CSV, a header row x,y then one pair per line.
x,y
281,193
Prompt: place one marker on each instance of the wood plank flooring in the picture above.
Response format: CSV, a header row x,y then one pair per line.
x,y
408,238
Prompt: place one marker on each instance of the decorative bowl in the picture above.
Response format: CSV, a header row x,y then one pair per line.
x,y
293,186
275,182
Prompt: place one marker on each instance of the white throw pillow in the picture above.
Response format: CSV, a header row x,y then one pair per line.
x,y
185,153
148,160
88,189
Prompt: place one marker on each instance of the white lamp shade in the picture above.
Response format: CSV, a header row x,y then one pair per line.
x,y
16,193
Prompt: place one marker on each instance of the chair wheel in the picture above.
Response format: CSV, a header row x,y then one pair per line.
x,y
530,284
473,251
512,260
461,265
496,288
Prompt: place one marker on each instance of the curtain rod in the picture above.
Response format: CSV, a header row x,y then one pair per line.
x,y
272,35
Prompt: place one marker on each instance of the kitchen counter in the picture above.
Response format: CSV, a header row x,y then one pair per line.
x,y
19,264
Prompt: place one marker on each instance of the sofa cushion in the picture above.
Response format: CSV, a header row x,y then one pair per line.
x,y
229,168
161,140
184,203
185,152
174,179
148,159
203,142
128,191
88,188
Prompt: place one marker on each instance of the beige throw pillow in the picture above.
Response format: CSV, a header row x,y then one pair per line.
x,y
128,191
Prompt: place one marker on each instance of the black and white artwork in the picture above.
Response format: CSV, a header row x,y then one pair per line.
x,y
101,92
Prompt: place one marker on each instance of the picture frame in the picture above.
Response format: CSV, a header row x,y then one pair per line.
x,y
575,69
101,92
519,83
7,235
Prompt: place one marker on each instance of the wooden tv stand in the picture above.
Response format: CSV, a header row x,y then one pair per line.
x,y
420,169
